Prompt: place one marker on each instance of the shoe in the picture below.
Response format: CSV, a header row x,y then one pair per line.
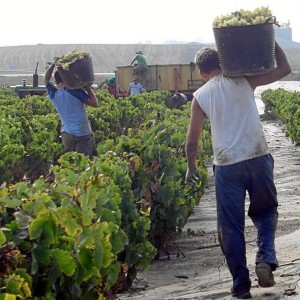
x,y
245,295
264,275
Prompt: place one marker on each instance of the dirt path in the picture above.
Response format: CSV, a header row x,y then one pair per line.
x,y
196,268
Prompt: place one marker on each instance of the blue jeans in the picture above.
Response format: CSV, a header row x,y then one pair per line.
x,y
232,181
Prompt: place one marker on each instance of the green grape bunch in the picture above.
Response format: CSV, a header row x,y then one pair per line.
x,y
66,60
242,17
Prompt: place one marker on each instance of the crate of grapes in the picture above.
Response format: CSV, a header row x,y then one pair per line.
x,y
76,69
245,43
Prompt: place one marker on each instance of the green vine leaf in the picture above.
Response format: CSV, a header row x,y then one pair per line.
x,y
65,261
43,228
22,219
17,285
21,188
11,202
68,220
86,260
2,237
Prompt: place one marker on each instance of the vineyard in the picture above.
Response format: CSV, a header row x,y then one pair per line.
x,y
87,232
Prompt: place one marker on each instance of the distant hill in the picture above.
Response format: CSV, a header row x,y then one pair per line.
x,y
23,59
105,56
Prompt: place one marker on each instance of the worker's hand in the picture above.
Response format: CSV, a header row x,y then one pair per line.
x,y
55,60
192,176
87,88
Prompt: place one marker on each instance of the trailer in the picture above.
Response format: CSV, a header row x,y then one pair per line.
x,y
183,78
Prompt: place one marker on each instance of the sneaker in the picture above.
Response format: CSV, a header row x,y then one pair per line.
x,y
264,275
245,295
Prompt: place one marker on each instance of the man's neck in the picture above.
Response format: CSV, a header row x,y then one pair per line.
x,y
215,73
207,76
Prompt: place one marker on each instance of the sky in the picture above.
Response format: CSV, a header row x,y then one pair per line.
x,y
32,22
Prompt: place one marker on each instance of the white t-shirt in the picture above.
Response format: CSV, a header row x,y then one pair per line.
x,y
237,134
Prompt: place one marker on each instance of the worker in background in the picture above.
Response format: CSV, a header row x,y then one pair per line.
x,y
140,67
179,99
70,105
111,85
135,87
110,81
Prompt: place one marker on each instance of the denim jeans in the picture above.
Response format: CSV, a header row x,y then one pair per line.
x,y
254,176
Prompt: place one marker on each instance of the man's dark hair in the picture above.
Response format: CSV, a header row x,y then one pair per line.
x,y
57,77
207,59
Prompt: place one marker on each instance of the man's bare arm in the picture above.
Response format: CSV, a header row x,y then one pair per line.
x,y
281,70
193,134
48,73
92,101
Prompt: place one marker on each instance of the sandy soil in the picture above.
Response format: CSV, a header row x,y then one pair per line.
x,y
196,268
